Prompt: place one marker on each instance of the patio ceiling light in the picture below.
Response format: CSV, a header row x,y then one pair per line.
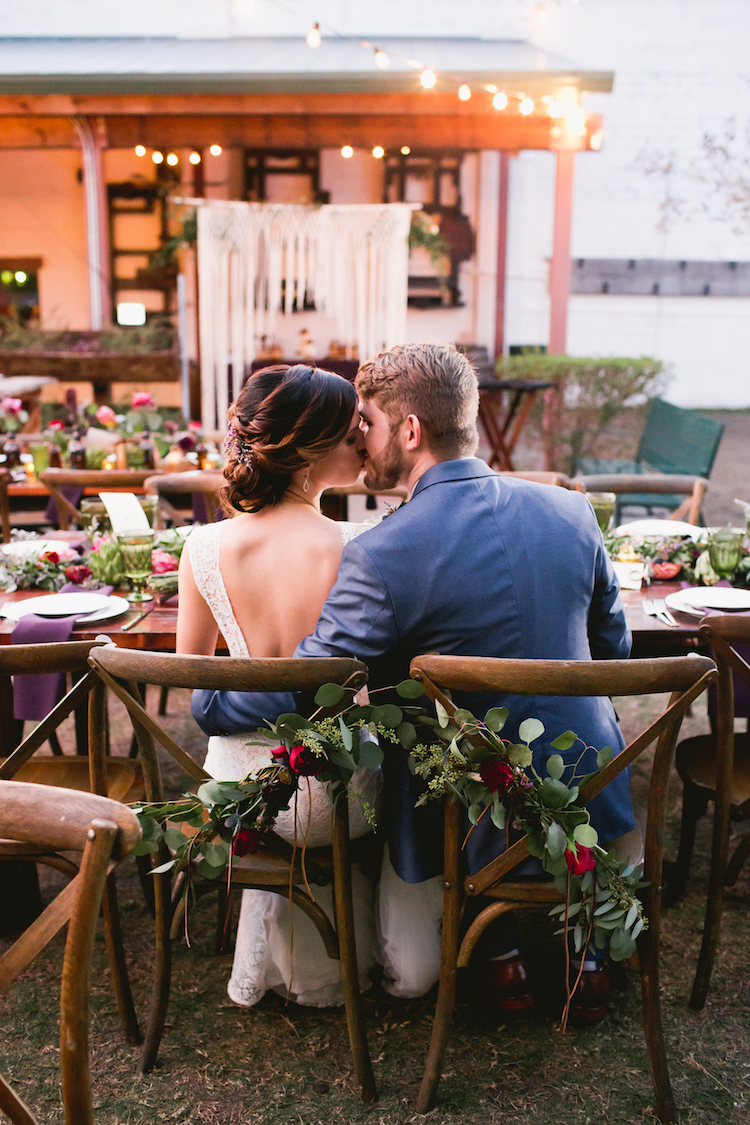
x,y
195,158
382,59
140,150
313,37
464,92
347,151
500,100
157,157
215,150
405,150
428,79
172,159
378,152
526,107
554,109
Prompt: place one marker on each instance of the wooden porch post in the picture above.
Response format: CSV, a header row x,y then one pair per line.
x,y
92,142
502,250
559,280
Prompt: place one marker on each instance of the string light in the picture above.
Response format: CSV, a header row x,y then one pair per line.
x,y
491,89
555,109
378,152
500,100
464,92
405,150
569,108
313,36
195,158
526,107
140,150
347,151
20,277
172,159
157,157
381,58
428,79
215,150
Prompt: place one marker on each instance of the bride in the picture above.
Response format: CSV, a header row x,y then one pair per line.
x,y
261,578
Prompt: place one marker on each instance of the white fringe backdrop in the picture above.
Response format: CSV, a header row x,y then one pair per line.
x,y
256,259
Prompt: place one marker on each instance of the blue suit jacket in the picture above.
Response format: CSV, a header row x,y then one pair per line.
x,y
479,565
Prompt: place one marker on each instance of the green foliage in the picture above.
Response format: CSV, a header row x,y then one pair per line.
x,y
425,235
156,336
592,392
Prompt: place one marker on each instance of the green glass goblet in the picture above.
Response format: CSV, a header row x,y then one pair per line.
x,y
725,550
136,548
603,504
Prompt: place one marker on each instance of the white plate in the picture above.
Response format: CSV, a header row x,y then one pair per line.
x,y
656,529
698,598
108,607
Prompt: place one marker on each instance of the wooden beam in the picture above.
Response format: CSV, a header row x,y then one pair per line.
x,y
37,132
559,277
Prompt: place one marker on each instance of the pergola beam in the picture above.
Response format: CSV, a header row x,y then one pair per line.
x,y
511,132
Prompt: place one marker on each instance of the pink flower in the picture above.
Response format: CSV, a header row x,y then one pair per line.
x,y
194,426
162,562
580,860
56,424
142,399
107,416
11,405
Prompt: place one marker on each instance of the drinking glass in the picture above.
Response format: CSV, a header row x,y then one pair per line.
x,y
40,456
94,517
603,504
725,550
136,548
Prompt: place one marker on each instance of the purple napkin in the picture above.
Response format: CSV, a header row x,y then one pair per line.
x,y
35,696
72,494
200,513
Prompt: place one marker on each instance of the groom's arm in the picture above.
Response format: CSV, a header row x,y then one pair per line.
x,y
356,620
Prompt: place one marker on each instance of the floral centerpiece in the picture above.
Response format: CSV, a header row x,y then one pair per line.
x,y
675,557
460,756
12,415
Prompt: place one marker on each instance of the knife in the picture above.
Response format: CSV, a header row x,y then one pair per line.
x,y
140,616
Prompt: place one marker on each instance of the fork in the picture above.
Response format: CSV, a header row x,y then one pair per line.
x,y
656,607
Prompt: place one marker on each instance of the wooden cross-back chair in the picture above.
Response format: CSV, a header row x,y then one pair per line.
x,y
716,767
5,480
50,821
55,480
685,678
684,494
199,482
274,867
97,772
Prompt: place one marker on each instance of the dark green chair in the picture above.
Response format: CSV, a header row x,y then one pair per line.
x,y
675,441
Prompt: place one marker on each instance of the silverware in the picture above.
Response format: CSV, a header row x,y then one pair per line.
x,y
140,616
661,607
651,610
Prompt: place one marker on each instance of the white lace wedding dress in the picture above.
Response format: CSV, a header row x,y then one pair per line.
x,y
267,955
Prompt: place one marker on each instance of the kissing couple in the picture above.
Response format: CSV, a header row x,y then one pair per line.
x,y
474,564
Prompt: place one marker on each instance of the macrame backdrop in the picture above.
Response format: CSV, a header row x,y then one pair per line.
x,y
257,261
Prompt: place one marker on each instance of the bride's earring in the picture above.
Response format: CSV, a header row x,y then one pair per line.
x,y
306,481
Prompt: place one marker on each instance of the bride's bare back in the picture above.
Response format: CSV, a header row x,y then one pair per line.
x,y
278,566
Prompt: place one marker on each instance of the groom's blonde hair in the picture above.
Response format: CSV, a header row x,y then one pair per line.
x,y
433,381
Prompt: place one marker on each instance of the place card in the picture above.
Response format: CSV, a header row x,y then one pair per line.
x,y
125,512
630,574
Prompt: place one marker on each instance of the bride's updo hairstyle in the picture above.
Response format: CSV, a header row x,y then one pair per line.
x,y
284,419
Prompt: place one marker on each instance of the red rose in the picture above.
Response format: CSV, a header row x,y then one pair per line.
x,y
51,557
77,574
306,762
580,860
56,424
665,570
497,776
245,842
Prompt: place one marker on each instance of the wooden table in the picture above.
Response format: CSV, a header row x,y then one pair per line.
x,y
502,423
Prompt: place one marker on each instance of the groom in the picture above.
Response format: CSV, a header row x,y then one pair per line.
x,y
474,564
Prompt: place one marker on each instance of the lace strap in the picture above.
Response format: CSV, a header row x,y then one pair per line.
x,y
204,545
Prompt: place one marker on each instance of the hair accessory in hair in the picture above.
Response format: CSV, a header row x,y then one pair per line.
x,y
237,444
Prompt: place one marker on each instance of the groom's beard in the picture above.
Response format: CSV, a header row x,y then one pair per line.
x,y
388,469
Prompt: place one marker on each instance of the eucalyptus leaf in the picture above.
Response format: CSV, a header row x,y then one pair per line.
x,y
553,793
535,844
328,695
564,741
407,735
389,716
163,867
561,883
461,715
209,870
496,718
409,689
555,766
346,734
475,811
577,937
636,929
585,835
557,841
498,814
442,714
370,755
631,916
293,720
217,854
604,756
520,755
587,881
174,839
556,866
530,729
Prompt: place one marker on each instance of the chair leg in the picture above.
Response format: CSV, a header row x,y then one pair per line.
x,y
117,964
652,1022
441,1027
735,865
162,970
54,743
347,949
163,694
694,806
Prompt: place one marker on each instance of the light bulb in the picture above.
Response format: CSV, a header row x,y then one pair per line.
x,y
140,150
215,150
526,107
428,79
195,158
157,157
555,109
20,277
405,150
378,152
491,89
382,59
347,151
569,108
500,100
172,159
313,36
464,92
